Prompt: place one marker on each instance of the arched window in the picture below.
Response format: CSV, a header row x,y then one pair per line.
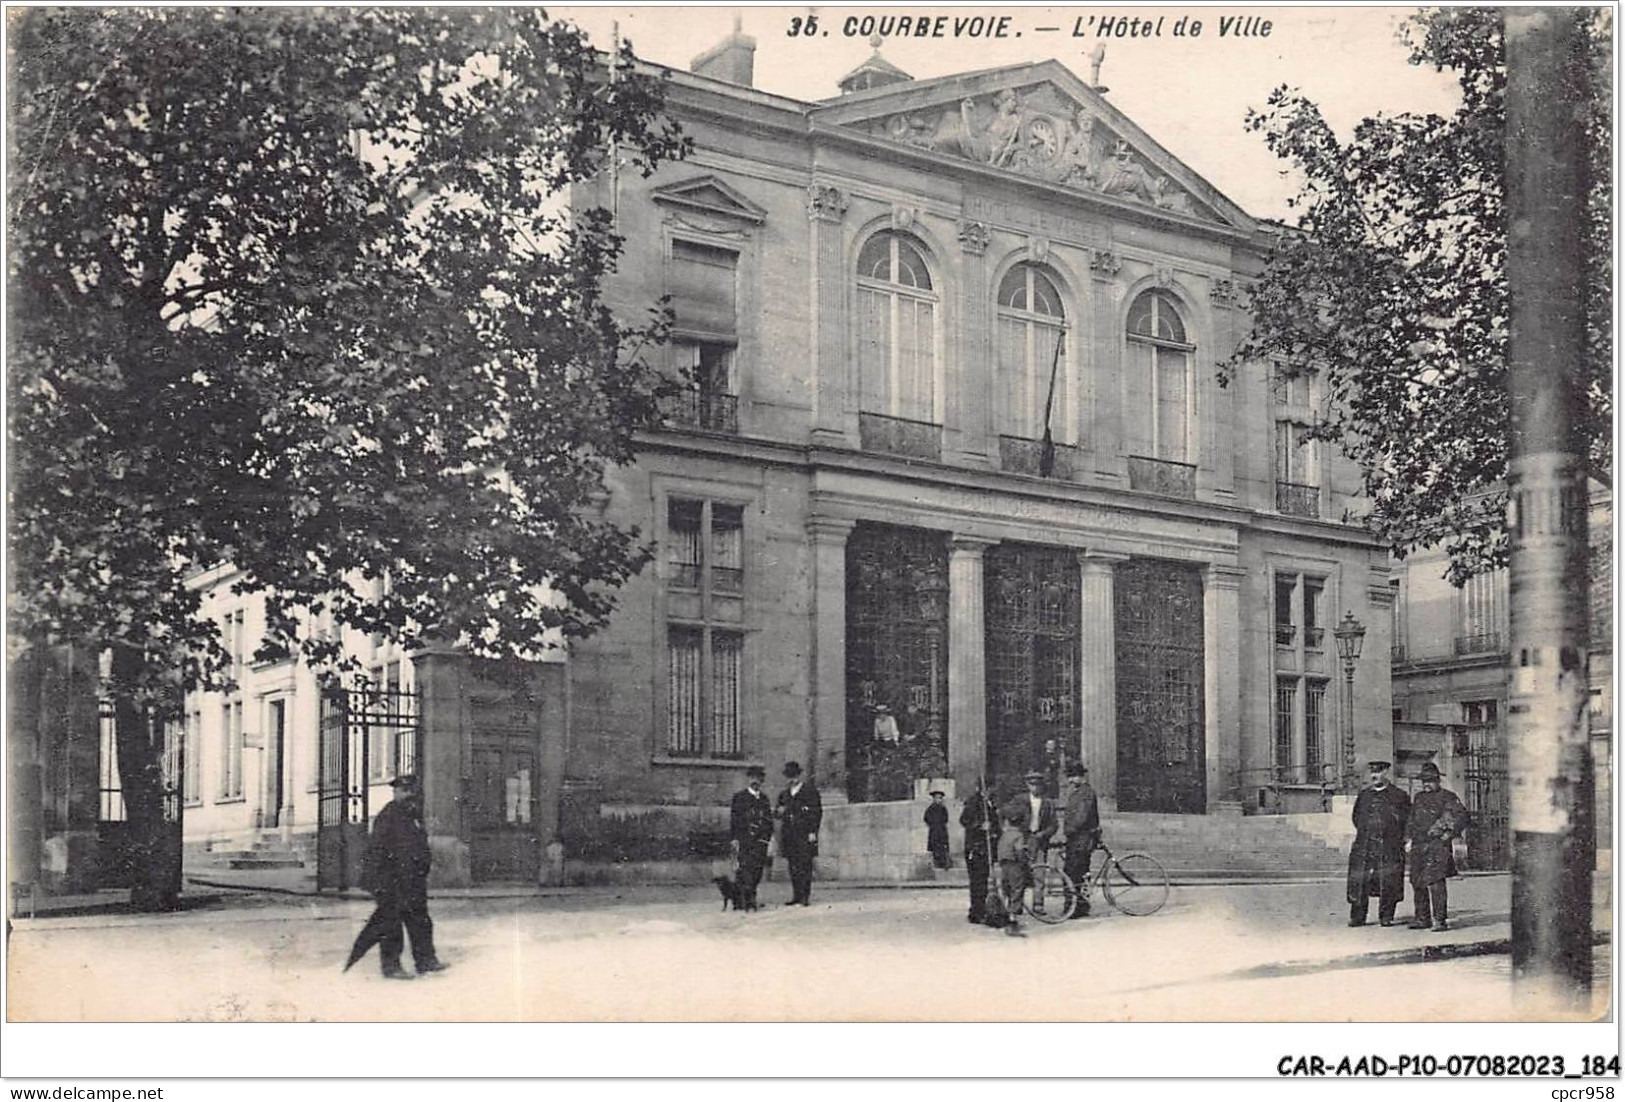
x,y
1160,378
897,346
1031,323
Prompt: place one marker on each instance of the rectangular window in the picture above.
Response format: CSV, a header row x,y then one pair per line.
x,y
1314,635
192,785
231,751
1286,599
1481,613
726,648
683,737
1480,711
1286,706
727,548
1314,726
684,520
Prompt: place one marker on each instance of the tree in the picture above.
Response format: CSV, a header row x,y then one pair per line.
x,y
1392,286
299,291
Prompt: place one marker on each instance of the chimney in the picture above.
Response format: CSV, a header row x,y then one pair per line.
x,y
733,59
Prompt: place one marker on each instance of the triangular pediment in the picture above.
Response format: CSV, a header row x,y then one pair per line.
x,y
712,196
1039,121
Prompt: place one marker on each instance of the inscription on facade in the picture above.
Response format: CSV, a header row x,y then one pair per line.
x,y
1056,227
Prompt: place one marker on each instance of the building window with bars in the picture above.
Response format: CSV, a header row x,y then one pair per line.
x,y
1314,725
705,646
1286,710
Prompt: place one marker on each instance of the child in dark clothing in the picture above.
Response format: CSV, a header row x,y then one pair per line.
x,y
936,838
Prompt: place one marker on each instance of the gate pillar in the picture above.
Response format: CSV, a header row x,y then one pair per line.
x,y
1221,679
825,752
967,662
441,673
1097,688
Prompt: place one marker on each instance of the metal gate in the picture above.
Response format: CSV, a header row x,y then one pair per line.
x,y
1161,740
896,660
1032,618
368,735
1484,776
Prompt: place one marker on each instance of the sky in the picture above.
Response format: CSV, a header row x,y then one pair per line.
x,y
1190,93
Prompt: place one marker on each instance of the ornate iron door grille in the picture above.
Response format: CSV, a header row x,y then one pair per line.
x,y
1032,617
349,720
896,660
1487,797
1160,729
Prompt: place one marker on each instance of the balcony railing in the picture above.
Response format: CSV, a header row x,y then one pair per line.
x,y
704,410
1023,456
1294,499
1162,476
900,436
1285,634
1487,642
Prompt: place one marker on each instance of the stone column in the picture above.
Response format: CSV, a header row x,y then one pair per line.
x,y
1097,689
971,398
826,207
1221,684
967,663
826,751
441,673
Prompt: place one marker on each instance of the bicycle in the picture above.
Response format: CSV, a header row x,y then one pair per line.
x,y
1135,883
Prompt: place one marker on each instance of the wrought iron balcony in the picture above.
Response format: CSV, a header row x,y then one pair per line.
x,y
1487,642
703,409
1162,476
1022,456
900,436
1295,499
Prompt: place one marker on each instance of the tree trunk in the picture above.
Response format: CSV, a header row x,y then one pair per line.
x,y
154,840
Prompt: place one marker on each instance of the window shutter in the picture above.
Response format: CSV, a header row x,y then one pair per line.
x,y
703,289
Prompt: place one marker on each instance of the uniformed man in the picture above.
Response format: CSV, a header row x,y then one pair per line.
x,y
1437,817
1377,861
800,812
750,829
396,871
1082,827
978,817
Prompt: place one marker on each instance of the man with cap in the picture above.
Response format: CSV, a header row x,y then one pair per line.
x,y
800,813
1030,824
396,871
1377,861
980,819
750,828
1437,816
1082,825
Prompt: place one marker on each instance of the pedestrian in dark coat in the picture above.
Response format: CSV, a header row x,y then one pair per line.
x,y
936,831
1377,861
800,814
750,829
396,871
1437,817
1081,823
978,817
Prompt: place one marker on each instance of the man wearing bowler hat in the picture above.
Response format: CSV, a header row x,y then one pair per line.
x,y
800,814
1377,861
396,872
750,829
1437,816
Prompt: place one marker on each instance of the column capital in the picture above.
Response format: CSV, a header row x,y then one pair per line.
x,y
969,545
1381,594
829,529
826,203
1100,561
1223,576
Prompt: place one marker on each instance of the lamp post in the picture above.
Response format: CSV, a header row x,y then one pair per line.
x,y
1350,634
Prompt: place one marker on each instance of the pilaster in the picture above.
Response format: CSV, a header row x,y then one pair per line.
x,y
1221,682
967,662
826,210
826,749
971,398
441,673
1097,695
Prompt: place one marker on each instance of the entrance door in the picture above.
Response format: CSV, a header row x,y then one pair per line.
x,y
503,843
275,762
1032,621
1161,742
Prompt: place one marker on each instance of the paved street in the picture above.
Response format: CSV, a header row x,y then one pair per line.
x,y
1215,953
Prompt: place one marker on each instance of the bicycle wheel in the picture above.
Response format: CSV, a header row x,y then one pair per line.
x,y
1050,897
1135,884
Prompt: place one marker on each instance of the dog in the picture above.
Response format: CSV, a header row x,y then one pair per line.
x,y
729,890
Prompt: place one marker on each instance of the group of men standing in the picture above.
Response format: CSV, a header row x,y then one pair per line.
x,y
1385,820
751,818
1018,836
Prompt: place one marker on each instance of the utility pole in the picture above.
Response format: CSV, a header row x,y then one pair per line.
x,y
1553,840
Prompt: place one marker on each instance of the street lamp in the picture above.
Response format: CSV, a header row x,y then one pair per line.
x,y
1350,634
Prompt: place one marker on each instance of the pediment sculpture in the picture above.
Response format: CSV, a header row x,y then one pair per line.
x,y
1037,133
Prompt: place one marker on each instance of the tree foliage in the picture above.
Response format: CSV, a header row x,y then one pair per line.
x,y
1392,287
296,290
